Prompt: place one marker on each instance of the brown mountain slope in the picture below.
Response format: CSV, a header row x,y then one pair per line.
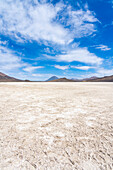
x,y
6,78
91,78
94,79
62,80
102,79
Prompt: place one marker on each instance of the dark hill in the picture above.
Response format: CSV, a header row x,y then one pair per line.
x,y
62,80
6,78
102,79
52,78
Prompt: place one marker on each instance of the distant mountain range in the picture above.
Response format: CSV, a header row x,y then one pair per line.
x,y
91,79
6,78
102,79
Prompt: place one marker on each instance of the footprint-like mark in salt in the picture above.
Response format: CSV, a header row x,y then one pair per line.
x,y
89,121
79,110
23,127
59,134
72,113
88,165
24,121
91,118
69,125
49,139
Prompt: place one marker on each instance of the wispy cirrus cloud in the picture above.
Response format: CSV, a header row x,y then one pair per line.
x,y
61,67
104,72
103,47
83,67
3,42
82,22
32,68
9,60
111,1
32,20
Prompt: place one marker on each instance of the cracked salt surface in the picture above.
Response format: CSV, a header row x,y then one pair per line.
x,y
56,126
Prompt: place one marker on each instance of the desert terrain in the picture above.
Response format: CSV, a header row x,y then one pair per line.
x,y
56,126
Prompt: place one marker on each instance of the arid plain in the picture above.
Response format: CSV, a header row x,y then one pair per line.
x,y
56,126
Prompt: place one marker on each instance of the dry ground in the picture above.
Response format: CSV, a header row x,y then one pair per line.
x,y
56,126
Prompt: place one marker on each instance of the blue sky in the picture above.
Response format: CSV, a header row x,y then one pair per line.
x,y
42,38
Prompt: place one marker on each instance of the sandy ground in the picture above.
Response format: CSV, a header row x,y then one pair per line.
x,y
56,126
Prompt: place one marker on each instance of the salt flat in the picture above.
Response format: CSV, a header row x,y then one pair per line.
x,y
56,126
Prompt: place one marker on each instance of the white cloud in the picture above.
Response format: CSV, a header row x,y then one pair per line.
x,y
111,1
43,75
61,67
105,72
80,55
13,65
103,47
38,75
32,68
83,67
25,21
100,72
47,50
9,60
82,22
3,42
